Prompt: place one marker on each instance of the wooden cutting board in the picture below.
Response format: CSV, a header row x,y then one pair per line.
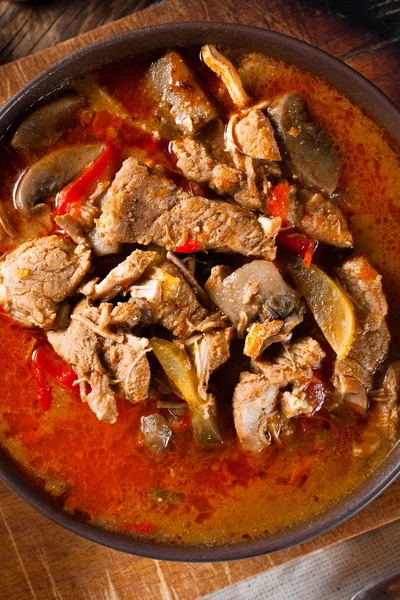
x,y
40,560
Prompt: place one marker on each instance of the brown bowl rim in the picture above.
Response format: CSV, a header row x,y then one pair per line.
x,y
346,80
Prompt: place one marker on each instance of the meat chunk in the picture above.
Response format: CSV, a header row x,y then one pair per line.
x,y
176,306
294,362
79,346
208,352
217,226
255,136
323,220
387,402
353,374
109,362
262,335
143,207
308,150
197,165
135,200
256,299
38,276
296,402
123,275
181,102
128,366
255,411
193,160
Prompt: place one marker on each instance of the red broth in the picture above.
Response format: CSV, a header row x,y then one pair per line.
x,y
192,494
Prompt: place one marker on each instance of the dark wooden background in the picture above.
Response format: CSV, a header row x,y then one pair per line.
x,y
26,27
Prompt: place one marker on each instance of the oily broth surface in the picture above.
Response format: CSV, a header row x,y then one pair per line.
x,y
193,495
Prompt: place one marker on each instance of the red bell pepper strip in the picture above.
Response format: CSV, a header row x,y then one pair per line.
x,y
278,201
298,243
83,186
44,394
189,246
47,362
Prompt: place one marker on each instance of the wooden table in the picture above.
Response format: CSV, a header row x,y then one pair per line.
x,y
38,559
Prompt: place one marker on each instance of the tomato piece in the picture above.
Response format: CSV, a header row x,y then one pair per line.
x,y
189,246
44,393
83,186
47,362
298,243
278,201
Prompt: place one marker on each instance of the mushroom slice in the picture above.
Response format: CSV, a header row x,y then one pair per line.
x,y
227,72
51,173
310,153
44,126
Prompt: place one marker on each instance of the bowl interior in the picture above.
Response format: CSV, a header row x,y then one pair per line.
x,y
348,81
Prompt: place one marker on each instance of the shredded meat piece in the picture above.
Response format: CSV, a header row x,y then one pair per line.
x,y
80,346
128,366
218,225
71,228
109,364
324,221
208,352
255,136
123,275
387,402
294,362
353,374
197,165
296,402
255,411
143,207
193,160
227,72
38,276
262,335
125,314
179,309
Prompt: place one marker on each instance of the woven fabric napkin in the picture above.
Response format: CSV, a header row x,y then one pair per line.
x,y
333,574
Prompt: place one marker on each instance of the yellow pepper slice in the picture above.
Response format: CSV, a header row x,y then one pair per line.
x,y
179,370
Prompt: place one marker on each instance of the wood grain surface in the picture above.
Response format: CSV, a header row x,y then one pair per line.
x,y
40,560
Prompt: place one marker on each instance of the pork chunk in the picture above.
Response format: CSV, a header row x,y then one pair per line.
x,y
255,136
110,362
387,402
197,165
255,411
208,352
323,220
353,374
80,347
294,362
123,275
175,304
136,198
38,276
128,366
143,207
218,226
